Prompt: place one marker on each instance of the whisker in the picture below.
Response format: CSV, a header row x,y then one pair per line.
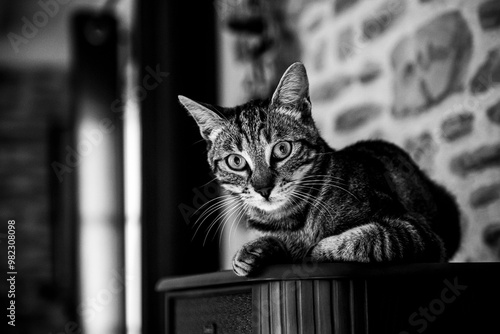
x,y
242,219
303,197
235,210
210,201
207,214
236,222
321,183
197,142
318,182
325,153
215,178
314,201
227,213
320,176
210,210
222,227
220,217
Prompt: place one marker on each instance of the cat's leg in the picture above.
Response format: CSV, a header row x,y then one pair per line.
x,y
258,253
406,238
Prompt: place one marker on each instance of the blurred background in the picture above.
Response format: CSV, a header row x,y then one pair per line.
x,y
105,175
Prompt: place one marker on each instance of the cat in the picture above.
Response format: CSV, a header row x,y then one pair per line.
x,y
368,202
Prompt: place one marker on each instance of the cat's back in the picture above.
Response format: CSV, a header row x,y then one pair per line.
x,y
392,170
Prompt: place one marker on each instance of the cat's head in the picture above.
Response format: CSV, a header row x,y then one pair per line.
x,y
260,151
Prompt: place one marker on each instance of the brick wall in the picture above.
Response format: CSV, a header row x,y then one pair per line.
x,y
422,74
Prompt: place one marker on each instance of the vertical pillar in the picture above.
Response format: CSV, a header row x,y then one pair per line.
x,y
98,155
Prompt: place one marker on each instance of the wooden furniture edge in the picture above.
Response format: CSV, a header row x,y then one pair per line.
x,y
326,271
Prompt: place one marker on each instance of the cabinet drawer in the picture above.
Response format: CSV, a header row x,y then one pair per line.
x,y
212,312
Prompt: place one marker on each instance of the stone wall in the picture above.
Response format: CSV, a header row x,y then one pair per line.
x,y
422,74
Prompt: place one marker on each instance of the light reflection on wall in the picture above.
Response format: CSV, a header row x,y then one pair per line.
x,y
102,281
100,181
132,142
100,222
108,176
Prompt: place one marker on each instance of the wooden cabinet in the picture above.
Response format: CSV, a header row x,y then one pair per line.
x,y
337,298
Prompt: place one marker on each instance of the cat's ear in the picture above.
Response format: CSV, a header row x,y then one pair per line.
x,y
293,89
208,120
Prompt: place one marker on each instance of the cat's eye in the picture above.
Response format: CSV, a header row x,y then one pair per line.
x,y
236,162
282,150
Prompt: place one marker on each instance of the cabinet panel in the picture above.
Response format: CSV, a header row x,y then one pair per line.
x,y
212,312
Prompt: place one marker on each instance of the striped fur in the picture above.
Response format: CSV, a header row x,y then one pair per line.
x,y
368,202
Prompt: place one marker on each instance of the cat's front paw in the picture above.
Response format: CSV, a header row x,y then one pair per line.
x,y
248,260
253,256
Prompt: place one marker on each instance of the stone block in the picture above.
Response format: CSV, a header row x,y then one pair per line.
x,y
457,126
341,5
319,55
491,237
370,72
485,195
353,118
493,113
251,47
422,149
314,23
331,89
345,45
488,73
383,18
234,13
492,234
487,156
489,14
431,64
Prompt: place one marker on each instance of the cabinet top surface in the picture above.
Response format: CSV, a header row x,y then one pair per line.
x,y
316,271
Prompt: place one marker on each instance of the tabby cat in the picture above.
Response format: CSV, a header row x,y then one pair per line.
x,y
368,202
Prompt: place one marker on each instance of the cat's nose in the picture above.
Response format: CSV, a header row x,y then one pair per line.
x,y
265,191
